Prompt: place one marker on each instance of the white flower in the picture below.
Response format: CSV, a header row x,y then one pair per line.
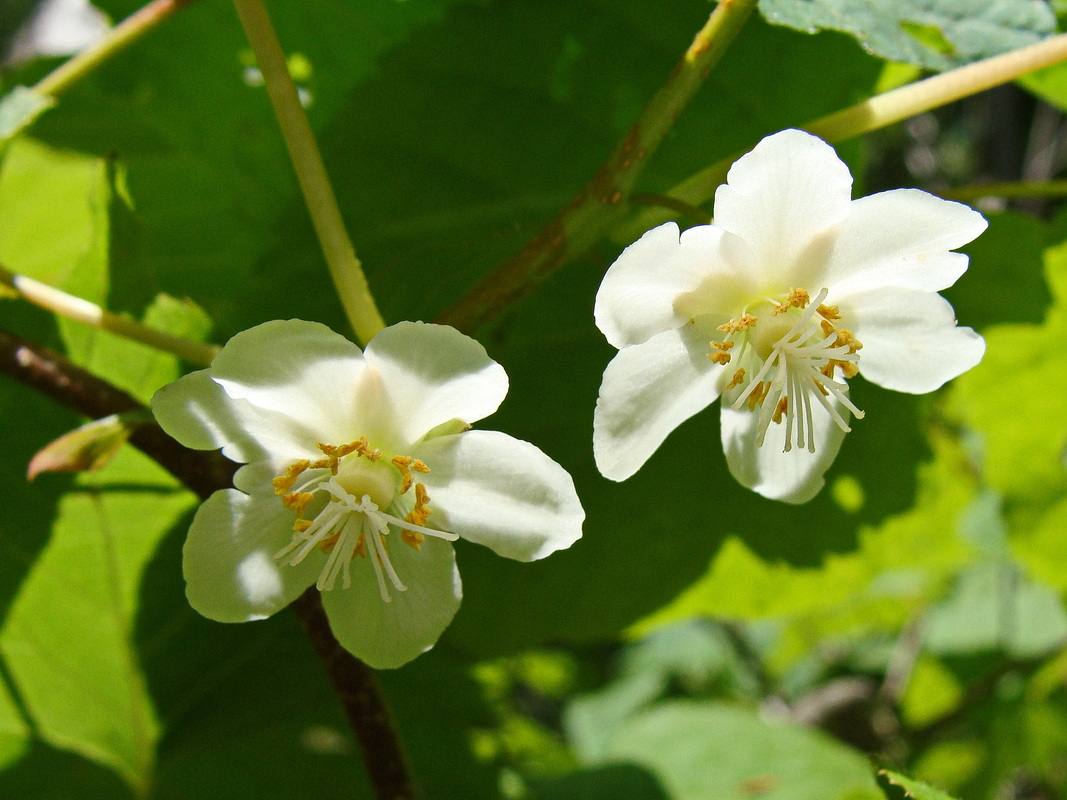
x,y
359,472
794,289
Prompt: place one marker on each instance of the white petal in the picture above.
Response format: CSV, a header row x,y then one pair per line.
x,y
501,492
388,635
785,199
911,342
302,371
793,477
902,238
649,390
433,374
228,560
197,412
639,294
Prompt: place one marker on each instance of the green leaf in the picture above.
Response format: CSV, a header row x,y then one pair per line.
x,y
711,751
914,788
19,108
938,34
68,638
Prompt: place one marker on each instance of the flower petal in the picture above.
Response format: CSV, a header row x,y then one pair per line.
x,y
902,238
793,477
638,296
649,390
784,198
501,492
911,342
433,374
302,371
228,560
388,635
197,412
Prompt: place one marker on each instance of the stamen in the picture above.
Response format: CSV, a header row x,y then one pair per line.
x,y
284,483
801,364
742,323
798,298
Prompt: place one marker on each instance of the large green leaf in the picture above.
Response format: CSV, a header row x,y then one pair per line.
x,y
931,33
711,751
68,638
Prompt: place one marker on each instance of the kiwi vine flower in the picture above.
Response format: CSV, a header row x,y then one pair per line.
x,y
360,470
795,289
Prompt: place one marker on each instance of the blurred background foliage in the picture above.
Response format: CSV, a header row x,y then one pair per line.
x,y
700,641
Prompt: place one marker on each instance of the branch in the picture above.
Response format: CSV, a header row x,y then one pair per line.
x,y
203,472
601,203
117,39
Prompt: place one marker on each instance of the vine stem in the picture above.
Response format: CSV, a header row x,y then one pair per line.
x,y
117,39
872,114
76,308
340,255
600,204
204,472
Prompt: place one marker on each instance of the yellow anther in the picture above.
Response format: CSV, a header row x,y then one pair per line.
x,y
284,483
827,328
403,463
301,525
822,389
721,356
846,339
420,466
742,323
758,395
736,379
417,516
831,313
798,298
297,501
780,411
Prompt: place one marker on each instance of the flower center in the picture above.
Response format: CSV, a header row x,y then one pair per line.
x,y
785,359
362,497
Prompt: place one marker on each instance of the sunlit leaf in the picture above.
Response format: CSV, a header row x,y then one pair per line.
x,y
936,34
709,751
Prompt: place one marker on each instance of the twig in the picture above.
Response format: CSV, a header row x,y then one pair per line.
x,y
117,39
340,255
600,204
81,310
204,473
364,705
874,113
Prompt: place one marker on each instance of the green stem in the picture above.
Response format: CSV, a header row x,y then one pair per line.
x,y
875,113
117,39
603,200
345,268
969,194
71,307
